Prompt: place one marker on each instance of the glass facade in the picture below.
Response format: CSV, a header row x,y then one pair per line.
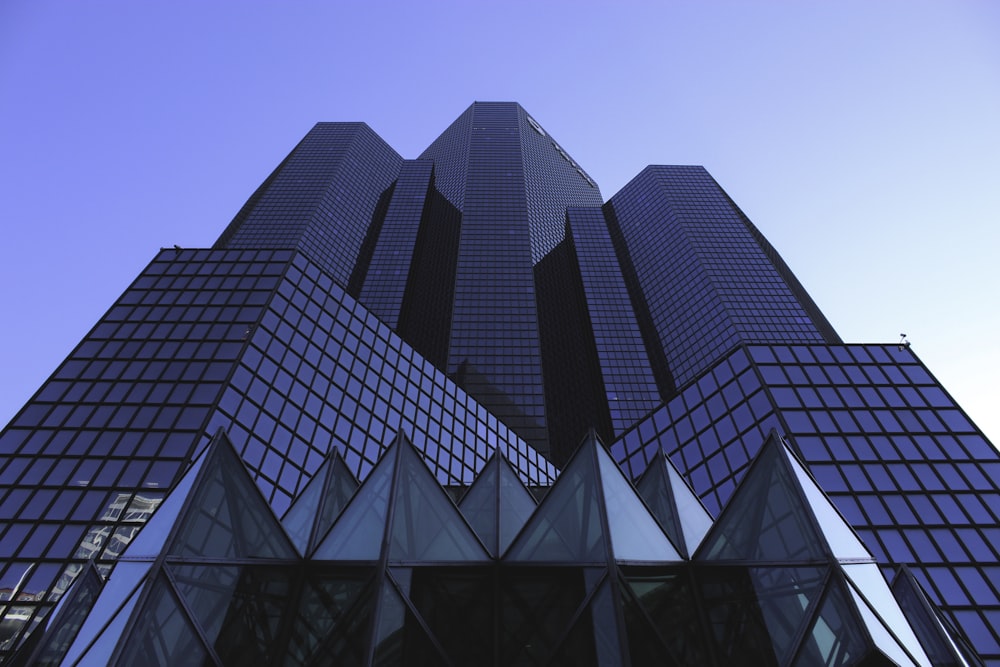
x,y
349,433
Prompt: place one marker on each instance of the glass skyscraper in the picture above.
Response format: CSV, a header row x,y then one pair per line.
x,y
460,409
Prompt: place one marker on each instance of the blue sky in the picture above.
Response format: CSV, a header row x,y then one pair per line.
x,y
862,138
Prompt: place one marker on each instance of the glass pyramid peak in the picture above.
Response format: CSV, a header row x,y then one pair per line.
x,y
680,512
573,524
225,515
322,500
401,506
497,505
768,517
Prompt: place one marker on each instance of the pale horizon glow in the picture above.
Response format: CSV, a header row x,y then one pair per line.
x,y
861,138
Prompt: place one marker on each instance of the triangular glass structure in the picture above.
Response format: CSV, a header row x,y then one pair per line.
x,y
314,511
87,650
665,596
673,503
360,530
567,526
635,533
880,612
68,617
227,516
153,536
570,522
768,518
497,493
836,638
163,634
125,579
426,524
840,537
935,638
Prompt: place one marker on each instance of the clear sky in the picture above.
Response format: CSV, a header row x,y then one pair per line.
x,y
861,137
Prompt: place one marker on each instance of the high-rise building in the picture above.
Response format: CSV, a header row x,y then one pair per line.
x,y
460,409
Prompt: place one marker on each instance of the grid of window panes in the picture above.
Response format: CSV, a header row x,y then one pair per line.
x,y
629,385
92,454
711,430
389,269
706,280
321,199
897,456
552,181
322,371
494,346
904,465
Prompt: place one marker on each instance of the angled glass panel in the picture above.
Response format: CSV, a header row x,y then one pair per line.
x,y
654,487
835,639
934,637
68,617
784,594
300,519
153,535
767,519
867,577
839,535
516,504
228,518
119,587
163,634
635,534
674,504
479,505
884,640
399,638
694,518
426,525
358,533
566,527
339,489
99,653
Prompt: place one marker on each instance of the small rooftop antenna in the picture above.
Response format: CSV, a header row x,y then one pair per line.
x,y
903,343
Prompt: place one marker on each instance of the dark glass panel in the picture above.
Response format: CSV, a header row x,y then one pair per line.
x,y
537,606
457,605
663,596
737,625
332,619
163,635
240,609
399,637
